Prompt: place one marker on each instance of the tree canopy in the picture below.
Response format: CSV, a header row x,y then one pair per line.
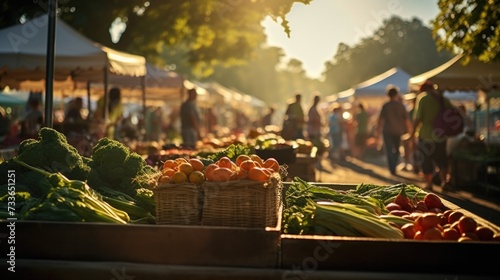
x,y
406,44
213,31
469,26
223,40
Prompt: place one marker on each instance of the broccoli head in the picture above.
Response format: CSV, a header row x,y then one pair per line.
x,y
134,163
109,153
115,166
53,152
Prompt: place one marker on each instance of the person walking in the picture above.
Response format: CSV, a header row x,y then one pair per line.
x,y
336,131
33,119
393,122
431,144
108,127
294,119
190,120
212,122
314,122
361,119
268,118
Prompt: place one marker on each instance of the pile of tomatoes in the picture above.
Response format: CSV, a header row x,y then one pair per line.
x,y
431,220
192,170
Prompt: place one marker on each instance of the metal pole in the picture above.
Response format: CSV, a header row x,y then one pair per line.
x,y
106,96
142,124
49,73
488,130
89,116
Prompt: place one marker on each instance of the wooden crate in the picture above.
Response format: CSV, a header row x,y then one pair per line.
x,y
377,255
144,244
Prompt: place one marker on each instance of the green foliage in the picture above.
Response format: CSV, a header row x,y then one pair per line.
x,y
469,26
406,44
214,31
145,199
232,152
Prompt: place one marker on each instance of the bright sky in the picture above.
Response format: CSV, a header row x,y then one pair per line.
x,y
318,28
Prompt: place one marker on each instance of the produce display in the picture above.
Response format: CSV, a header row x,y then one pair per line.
x,y
396,212
251,167
231,187
115,185
55,183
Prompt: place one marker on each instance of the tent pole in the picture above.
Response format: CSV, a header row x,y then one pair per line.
x,y
49,72
142,124
106,95
89,116
488,117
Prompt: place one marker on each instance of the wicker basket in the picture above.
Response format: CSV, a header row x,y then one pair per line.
x,y
178,204
242,203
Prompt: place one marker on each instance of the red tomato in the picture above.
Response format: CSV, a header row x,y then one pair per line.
x,y
467,224
408,230
399,213
454,216
430,220
393,206
451,234
421,206
432,233
471,235
433,201
485,233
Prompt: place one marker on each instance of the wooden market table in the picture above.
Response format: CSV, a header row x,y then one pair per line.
x,y
70,250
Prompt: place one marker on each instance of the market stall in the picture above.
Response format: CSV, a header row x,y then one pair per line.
x,y
227,214
77,59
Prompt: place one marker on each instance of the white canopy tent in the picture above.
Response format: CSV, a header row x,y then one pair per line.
x,y
159,84
23,56
373,91
454,75
226,102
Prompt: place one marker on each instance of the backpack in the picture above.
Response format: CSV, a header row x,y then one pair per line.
x,y
448,121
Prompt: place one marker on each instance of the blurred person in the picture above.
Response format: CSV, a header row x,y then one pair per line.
x,y
107,127
410,158
190,120
73,120
431,145
4,124
314,122
468,121
154,123
212,122
268,118
33,120
393,122
74,113
295,119
361,120
336,132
